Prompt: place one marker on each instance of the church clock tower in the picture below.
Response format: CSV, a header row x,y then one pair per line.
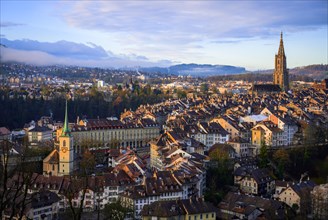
x,y
280,75
66,153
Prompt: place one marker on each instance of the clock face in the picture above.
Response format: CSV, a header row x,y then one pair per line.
x,y
64,149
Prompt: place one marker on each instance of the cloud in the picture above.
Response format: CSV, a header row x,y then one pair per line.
x,y
10,24
60,48
45,53
226,41
185,22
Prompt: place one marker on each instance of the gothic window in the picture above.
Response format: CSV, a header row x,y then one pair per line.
x,y
64,143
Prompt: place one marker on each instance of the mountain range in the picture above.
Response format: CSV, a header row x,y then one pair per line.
x,y
196,70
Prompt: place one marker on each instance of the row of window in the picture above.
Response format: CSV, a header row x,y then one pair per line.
x,y
42,211
206,216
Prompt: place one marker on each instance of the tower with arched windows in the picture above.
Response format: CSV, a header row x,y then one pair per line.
x,y
280,75
60,161
66,153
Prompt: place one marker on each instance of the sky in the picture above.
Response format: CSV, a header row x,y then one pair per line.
x,y
163,33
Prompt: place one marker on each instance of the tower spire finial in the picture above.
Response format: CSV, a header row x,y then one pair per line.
x,y
66,130
281,50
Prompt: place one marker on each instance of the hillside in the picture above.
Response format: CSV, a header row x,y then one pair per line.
x,y
316,72
197,70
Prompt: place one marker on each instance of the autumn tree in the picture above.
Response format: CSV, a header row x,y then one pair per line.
x,y
218,153
16,179
181,93
314,134
79,184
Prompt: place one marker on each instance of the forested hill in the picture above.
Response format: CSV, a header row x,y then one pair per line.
x,y
316,72
197,70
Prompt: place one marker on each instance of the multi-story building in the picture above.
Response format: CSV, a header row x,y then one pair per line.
x,y
298,196
162,186
39,134
207,133
268,133
254,181
241,146
242,206
283,122
41,205
111,131
186,209
232,126
319,196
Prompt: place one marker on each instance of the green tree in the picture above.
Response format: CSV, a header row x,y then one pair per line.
x,y
263,155
215,90
219,154
204,88
181,93
281,157
314,134
116,211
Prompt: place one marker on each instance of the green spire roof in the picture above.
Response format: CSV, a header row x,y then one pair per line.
x,y
66,131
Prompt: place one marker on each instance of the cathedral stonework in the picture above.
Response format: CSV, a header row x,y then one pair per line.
x,y
280,75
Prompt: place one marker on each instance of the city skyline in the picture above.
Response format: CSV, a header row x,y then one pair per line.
x,y
164,33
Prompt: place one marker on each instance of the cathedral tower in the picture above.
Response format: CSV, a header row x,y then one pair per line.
x,y
280,75
66,153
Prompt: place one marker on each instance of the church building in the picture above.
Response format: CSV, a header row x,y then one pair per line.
x,y
280,75
60,162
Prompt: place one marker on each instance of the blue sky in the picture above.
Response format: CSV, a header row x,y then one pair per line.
x,y
148,33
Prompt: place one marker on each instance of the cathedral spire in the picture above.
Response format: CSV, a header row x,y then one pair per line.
x,y
66,131
281,50
280,74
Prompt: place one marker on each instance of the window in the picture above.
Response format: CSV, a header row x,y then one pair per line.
x,y
64,143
